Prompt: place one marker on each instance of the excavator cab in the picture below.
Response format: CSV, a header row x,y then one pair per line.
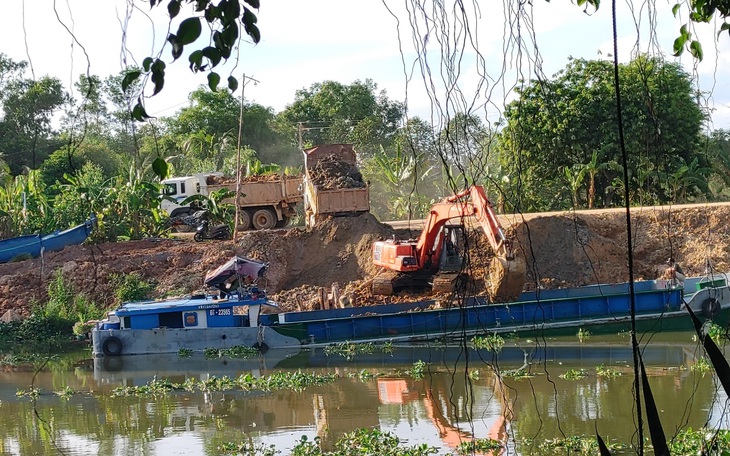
x,y
453,244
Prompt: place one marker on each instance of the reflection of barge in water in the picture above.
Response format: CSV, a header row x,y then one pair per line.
x,y
512,355
203,322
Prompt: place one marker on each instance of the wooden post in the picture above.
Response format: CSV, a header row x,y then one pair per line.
x,y
336,295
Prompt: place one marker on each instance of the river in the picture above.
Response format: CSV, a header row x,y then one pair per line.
x,y
457,398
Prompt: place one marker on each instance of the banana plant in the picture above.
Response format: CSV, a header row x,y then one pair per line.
x,y
24,205
398,175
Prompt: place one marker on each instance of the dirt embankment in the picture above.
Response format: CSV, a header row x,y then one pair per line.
x,y
560,251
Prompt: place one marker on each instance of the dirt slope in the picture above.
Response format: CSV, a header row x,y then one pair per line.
x,y
560,251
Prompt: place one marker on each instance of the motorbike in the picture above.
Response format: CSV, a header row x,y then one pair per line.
x,y
188,220
205,231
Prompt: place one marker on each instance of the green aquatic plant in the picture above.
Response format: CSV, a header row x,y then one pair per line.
x,y
717,333
184,353
701,366
418,370
238,351
583,335
246,449
17,359
574,374
607,372
65,393
517,374
569,445
492,342
214,383
153,388
701,441
478,446
296,381
364,374
349,349
33,393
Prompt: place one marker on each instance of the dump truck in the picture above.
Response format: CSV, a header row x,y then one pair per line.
x,y
333,186
266,202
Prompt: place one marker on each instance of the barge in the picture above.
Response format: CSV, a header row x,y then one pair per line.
x,y
235,316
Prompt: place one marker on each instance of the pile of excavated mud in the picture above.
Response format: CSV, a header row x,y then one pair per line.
x,y
227,180
562,250
331,172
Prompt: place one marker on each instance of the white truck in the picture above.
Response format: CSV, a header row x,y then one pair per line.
x,y
266,201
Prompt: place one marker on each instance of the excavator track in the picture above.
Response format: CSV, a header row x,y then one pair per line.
x,y
446,282
383,283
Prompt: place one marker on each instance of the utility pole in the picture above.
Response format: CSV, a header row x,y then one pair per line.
x,y
246,80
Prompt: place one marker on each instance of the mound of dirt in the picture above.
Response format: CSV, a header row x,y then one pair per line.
x,y
559,251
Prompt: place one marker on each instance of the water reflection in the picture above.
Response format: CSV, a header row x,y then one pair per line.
x,y
448,405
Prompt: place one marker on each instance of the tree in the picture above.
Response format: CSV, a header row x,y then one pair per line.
x,y
25,131
332,112
567,120
215,116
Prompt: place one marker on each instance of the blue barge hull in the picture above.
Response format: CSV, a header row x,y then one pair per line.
x,y
414,321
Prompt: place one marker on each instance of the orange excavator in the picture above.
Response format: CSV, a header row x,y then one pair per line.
x,y
435,260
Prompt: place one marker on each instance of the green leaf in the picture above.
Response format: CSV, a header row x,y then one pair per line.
x,y
675,9
695,48
679,45
250,18
253,3
160,168
723,27
177,47
158,79
232,83
129,78
229,35
213,54
212,13
196,60
158,65
233,9
173,8
138,112
189,30
147,62
213,80
253,32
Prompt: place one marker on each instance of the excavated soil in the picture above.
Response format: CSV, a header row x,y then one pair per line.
x,y
559,250
331,172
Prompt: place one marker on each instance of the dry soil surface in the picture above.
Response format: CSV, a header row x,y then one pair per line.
x,y
560,250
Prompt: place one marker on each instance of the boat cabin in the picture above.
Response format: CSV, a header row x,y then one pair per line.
x,y
197,312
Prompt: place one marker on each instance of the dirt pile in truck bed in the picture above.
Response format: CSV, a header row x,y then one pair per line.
x,y
560,251
331,173
228,180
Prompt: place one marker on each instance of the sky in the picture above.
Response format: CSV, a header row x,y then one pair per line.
x,y
305,42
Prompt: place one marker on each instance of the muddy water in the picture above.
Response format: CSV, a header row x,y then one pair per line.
x,y
441,409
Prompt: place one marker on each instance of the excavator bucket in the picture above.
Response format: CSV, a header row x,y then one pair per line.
x,y
506,278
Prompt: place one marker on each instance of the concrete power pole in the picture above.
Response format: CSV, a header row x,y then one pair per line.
x,y
246,80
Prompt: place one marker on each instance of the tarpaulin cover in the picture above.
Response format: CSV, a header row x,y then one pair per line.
x,y
235,266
